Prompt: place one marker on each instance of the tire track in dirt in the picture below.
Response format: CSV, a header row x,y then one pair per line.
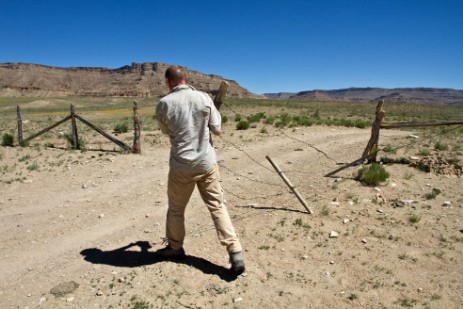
x,y
60,218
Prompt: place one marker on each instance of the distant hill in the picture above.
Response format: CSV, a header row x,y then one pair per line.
x,y
137,79
435,96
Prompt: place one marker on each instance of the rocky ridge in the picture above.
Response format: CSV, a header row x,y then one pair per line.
x,y
138,80
435,96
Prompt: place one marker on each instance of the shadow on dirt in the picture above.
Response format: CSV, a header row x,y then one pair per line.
x,y
121,257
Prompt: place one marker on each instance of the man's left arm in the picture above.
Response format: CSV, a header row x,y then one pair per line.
x,y
161,111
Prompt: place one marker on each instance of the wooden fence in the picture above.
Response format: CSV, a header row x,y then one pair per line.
x,y
371,150
74,133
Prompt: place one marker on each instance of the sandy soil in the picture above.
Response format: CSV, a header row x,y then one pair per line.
x,y
79,229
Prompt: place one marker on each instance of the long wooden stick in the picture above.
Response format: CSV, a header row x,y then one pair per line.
x,y
112,139
290,185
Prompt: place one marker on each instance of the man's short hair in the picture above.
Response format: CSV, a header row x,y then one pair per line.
x,y
175,73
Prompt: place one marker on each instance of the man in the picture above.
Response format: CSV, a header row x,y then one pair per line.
x,y
188,116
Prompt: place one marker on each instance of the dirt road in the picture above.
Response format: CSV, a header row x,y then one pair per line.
x,y
94,218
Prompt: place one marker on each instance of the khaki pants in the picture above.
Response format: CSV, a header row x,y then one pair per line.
x,y
179,190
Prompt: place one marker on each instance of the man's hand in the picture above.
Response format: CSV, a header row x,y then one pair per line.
x,y
217,133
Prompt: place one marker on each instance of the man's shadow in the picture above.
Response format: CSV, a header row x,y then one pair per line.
x,y
121,257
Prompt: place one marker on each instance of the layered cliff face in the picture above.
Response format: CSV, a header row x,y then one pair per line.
x,y
137,79
433,96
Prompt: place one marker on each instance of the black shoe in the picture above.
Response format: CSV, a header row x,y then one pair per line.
x,y
237,262
169,253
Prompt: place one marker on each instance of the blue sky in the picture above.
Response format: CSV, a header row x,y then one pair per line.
x,y
266,46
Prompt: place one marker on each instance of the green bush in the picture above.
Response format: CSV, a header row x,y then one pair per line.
x,y
434,193
224,119
279,124
441,146
305,121
7,139
361,124
269,120
33,166
121,127
414,218
242,125
284,121
237,117
68,137
372,175
390,149
424,152
256,117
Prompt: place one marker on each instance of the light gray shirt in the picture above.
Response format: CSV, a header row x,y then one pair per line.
x,y
187,115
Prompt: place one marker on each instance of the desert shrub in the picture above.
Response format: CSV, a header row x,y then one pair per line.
x,y
372,175
306,122
424,152
121,127
389,149
441,146
224,119
285,120
7,139
237,117
301,121
269,120
325,210
242,125
361,124
68,137
33,166
414,218
434,193
256,117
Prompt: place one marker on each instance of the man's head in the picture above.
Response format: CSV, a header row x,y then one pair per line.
x,y
175,75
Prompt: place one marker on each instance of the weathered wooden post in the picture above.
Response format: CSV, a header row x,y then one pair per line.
x,y
221,93
20,126
372,145
136,129
75,136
